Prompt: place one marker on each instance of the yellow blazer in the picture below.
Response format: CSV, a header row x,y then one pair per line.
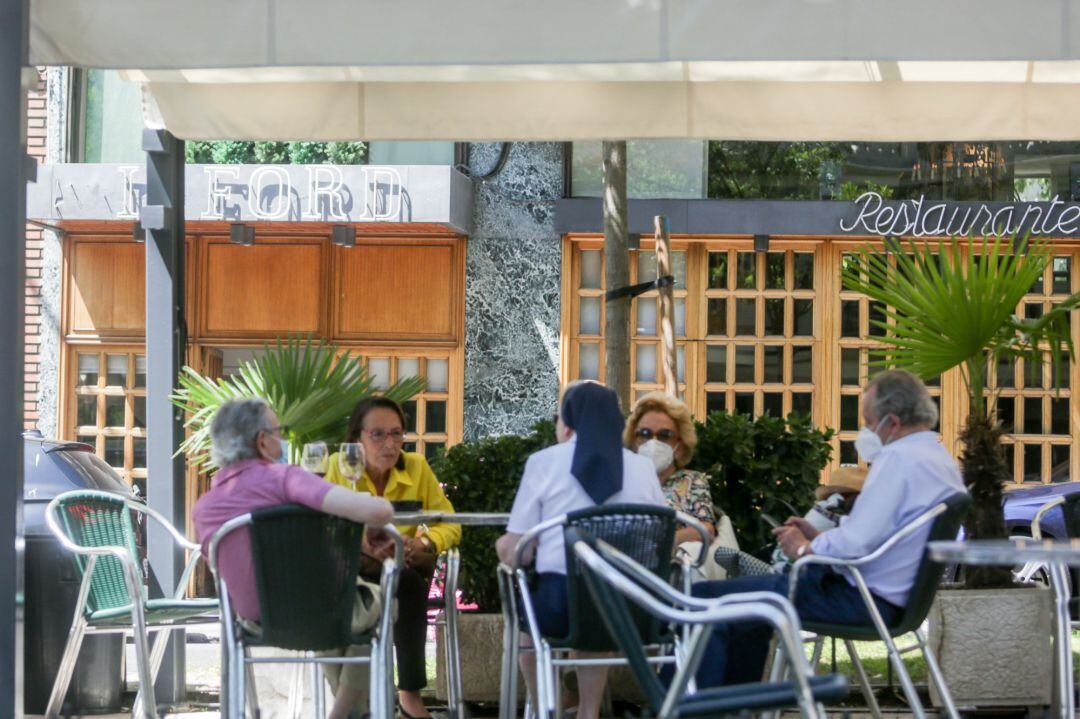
x,y
415,481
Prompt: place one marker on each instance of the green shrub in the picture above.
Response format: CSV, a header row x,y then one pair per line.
x,y
752,460
199,152
346,153
307,153
483,476
233,152
272,153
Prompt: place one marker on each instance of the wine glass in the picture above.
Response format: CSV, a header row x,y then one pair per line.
x,y
351,460
313,458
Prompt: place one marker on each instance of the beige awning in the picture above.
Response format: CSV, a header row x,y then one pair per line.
x,y
567,69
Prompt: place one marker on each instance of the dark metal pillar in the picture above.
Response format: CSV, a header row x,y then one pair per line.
x,y
166,335
13,58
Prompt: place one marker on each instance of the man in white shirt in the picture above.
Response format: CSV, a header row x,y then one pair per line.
x,y
910,472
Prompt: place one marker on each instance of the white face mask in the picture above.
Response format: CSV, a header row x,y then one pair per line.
x,y
659,453
868,444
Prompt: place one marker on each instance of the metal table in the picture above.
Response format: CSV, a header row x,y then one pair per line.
x,y
451,560
1057,556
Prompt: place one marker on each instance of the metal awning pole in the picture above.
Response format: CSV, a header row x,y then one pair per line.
x,y
668,368
163,220
14,16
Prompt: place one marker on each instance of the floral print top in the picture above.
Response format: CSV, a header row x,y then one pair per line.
x,y
688,491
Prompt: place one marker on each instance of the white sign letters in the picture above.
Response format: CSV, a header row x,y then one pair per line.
x,y
918,218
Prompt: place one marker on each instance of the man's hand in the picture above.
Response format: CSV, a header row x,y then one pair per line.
x,y
419,552
378,543
803,525
791,539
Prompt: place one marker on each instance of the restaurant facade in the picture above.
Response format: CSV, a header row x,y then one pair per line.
x,y
480,267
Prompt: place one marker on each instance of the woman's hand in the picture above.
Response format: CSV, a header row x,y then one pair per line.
x,y
419,552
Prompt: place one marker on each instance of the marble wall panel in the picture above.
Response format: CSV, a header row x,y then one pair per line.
x,y
513,262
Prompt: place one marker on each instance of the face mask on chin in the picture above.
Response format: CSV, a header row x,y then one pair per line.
x,y
868,444
659,453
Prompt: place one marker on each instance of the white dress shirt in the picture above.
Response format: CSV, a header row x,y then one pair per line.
x,y
908,477
548,489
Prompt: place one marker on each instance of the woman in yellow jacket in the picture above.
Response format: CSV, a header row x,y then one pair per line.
x,y
378,424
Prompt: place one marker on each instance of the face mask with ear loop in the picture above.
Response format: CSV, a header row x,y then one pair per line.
x,y
868,444
659,453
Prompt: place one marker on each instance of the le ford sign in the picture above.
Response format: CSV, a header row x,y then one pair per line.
x,y
262,193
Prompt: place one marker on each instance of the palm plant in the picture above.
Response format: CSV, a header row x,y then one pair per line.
x,y
311,386
953,304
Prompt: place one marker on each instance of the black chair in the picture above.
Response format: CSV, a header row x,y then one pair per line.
x,y
306,564
645,532
944,520
612,577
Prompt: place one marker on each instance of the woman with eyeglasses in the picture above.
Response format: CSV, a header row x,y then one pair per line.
x,y
661,429
378,424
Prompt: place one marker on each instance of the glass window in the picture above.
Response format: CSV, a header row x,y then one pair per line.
x,y
112,119
411,152
670,169
108,411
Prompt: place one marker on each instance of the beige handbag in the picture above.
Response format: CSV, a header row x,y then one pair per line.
x,y
725,537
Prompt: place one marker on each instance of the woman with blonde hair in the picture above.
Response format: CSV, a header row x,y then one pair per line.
x,y
661,429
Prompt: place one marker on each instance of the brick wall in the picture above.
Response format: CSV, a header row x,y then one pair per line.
x,y
35,141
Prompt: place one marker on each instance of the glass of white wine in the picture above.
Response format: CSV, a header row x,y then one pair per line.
x,y
351,460
313,458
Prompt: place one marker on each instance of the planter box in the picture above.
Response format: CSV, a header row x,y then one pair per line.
x,y
995,646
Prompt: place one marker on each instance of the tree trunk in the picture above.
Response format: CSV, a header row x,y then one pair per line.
x,y
616,273
982,464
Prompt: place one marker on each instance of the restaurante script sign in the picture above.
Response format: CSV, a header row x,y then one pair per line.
x,y
919,218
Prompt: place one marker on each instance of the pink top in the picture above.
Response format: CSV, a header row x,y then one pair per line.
x,y
240,488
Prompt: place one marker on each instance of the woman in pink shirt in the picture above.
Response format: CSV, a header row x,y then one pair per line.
x,y
251,453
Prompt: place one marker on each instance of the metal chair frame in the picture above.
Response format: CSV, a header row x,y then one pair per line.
x,y
148,660
238,682
550,661
700,615
853,567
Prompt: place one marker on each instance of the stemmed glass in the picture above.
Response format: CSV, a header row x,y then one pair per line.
x,y
351,460
313,458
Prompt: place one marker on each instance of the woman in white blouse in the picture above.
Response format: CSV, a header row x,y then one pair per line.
x,y
589,466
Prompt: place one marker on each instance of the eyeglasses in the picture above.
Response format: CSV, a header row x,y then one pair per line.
x,y
280,429
378,436
664,435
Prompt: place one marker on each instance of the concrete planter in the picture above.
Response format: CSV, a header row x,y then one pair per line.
x,y
995,646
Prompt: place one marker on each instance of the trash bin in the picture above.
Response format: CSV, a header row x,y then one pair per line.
x,y
52,584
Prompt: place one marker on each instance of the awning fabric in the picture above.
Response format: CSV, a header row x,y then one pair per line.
x,y
565,69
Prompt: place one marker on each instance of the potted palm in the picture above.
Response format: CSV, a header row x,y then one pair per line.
x,y
310,385
953,305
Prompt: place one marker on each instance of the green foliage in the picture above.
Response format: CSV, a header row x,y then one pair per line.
x,y
770,170
346,153
752,460
233,152
198,152
850,191
307,153
483,476
312,387
272,153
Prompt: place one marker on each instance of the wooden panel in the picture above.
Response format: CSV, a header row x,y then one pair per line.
x,y
108,288
262,291
389,290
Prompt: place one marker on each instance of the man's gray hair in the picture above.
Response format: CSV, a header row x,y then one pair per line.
x,y
235,428
904,395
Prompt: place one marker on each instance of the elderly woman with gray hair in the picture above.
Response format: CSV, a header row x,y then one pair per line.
x,y
911,471
250,452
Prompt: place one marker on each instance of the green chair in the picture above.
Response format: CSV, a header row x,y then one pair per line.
x,y
99,529
944,523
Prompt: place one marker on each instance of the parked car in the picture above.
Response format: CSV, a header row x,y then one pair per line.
x,y
1022,504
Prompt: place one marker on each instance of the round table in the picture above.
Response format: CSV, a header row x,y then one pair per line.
x,y
1057,556
452,560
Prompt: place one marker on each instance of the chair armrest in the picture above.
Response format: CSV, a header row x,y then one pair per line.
x,y
1036,521
532,536
177,536
693,523
215,541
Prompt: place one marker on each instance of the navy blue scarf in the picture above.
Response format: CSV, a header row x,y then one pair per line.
x,y
592,411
